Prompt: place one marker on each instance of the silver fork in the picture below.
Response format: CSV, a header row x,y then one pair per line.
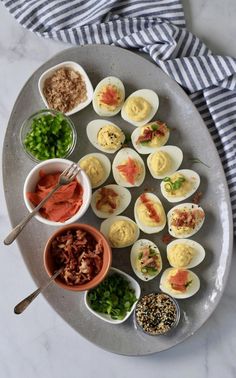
x,y
65,178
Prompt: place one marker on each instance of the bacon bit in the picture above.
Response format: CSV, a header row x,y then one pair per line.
x,y
130,170
167,238
197,198
187,218
179,280
79,253
149,205
149,134
108,197
110,96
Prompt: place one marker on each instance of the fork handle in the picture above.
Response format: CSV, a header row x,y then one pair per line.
x,y
15,232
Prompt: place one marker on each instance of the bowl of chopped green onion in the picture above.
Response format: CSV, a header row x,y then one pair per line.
x,y
48,134
114,299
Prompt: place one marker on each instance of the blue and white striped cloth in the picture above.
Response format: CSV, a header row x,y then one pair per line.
x,y
156,27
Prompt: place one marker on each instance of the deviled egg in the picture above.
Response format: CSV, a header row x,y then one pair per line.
x,y
164,161
128,168
105,136
97,166
185,220
146,139
120,231
108,96
180,185
185,253
110,200
145,259
179,283
149,213
140,107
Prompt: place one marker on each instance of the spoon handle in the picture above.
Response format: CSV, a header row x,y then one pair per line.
x,y
21,306
15,232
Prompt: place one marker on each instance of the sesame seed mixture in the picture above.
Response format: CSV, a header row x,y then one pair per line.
x,y
156,313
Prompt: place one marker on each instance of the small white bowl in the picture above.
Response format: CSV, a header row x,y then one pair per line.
x,y
76,67
107,318
52,166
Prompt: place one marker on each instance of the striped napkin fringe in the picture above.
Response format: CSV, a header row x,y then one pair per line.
x,y
156,27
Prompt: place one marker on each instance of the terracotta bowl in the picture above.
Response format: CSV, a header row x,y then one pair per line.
x,y
49,263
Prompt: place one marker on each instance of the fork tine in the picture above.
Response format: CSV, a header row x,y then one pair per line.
x,y
67,170
72,172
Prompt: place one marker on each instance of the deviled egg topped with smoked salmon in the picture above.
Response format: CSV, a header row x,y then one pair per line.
x,y
149,213
105,136
108,96
179,283
140,107
147,138
128,168
110,200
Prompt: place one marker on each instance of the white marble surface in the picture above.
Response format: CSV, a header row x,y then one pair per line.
x,y
39,343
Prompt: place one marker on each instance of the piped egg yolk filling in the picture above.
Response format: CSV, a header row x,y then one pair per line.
x,y
160,162
137,108
94,169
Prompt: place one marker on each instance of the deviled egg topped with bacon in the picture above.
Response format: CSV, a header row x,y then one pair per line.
x,y
108,96
180,185
97,166
110,200
128,168
185,220
179,283
149,213
140,107
105,136
146,139
120,231
145,259
164,161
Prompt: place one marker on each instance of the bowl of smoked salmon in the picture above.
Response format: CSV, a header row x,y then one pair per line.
x,y
84,254
68,204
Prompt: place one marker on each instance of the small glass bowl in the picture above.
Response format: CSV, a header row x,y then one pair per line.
x,y
174,324
26,127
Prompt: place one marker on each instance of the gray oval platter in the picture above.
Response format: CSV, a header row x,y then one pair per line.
x,y
190,134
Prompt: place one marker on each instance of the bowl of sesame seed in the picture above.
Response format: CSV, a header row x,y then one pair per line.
x,y
157,313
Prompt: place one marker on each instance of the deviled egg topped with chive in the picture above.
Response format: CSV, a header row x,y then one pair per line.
x,y
180,185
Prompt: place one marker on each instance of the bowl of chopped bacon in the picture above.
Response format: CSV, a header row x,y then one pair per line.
x,y
83,252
